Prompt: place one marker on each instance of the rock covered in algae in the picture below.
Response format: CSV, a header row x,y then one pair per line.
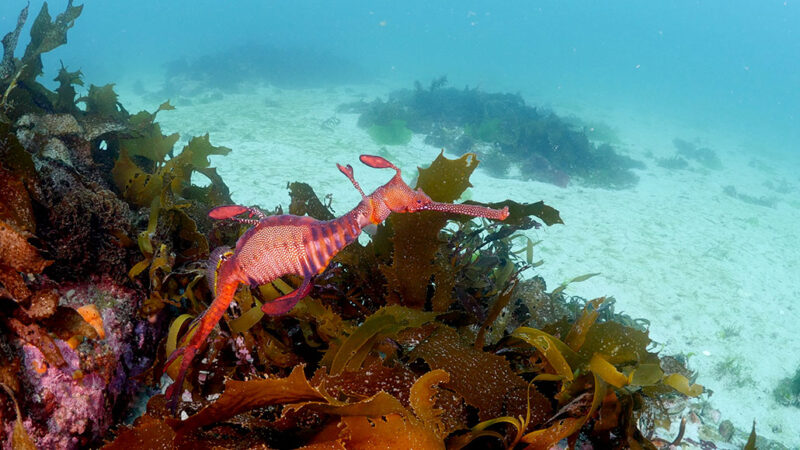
x,y
71,405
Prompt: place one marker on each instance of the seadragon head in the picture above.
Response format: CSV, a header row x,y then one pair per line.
x,y
396,196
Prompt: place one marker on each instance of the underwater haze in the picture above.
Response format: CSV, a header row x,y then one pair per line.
x,y
721,64
631,278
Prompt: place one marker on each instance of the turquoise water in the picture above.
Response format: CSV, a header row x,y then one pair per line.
x,y
723,73
731,63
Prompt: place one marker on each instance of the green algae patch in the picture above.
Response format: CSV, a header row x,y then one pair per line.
x,y
393,133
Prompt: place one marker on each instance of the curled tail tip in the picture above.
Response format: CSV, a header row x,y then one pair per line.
x,y
172,399
172,392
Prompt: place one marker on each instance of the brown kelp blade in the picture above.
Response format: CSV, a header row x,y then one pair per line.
x,y
470,210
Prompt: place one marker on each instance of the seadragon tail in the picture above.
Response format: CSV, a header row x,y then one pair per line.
x,y
224,281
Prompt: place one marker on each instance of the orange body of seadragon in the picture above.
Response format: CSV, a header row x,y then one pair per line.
x,y
286,244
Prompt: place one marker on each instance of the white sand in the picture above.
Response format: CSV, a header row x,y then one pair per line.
x,y
716,277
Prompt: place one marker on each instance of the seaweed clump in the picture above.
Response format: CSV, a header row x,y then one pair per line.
x,y
100,229
690,156
705,156
503,130
788,390
767,202
242,66
422,338
393,133
675,162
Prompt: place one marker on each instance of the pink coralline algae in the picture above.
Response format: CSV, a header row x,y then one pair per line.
x,y
76,404
72,406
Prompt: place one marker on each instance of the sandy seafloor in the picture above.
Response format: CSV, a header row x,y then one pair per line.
x,y
717,278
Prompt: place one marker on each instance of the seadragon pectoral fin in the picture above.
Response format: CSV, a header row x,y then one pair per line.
x,y
285,303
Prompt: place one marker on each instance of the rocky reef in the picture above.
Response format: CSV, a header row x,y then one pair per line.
x,y
89,201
